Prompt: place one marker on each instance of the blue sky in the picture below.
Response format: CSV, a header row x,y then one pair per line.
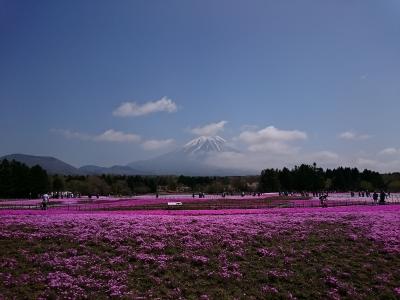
x,y
329,70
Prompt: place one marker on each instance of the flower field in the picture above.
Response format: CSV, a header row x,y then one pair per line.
x,y
151,202
326,253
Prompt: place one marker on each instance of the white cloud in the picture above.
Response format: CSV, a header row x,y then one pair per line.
x,y
157,144
271,140
133,109
271,133
110,135
351,135
347,135
389,151
116,136
209,129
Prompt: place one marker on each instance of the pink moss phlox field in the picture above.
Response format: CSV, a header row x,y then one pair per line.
x,y
137,200
382,221
267,200
88,253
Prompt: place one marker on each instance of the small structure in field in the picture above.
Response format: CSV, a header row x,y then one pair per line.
x,y
174,203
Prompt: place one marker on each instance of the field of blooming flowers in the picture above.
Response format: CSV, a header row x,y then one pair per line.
x,y
147,202
325,253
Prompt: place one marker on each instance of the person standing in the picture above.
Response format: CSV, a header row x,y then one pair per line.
x,y
45,200
375,197
382,197
323,199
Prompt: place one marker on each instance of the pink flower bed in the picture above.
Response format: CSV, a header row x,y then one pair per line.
x,y
383,222
101,250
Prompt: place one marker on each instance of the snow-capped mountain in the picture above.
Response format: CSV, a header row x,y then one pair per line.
x,y
205,144
190,159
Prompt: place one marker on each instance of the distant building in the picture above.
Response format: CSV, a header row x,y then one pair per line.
x,y
252,186
183,188
162,188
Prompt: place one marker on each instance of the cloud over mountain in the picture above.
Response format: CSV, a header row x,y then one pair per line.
x,y
209,129
157,144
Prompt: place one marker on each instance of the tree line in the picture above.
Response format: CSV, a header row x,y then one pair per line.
x,y
313,178
17,180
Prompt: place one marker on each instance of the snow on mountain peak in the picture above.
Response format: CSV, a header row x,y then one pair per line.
x,y
205,144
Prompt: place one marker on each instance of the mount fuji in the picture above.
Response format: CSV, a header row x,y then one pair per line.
x,y
205,144
190,159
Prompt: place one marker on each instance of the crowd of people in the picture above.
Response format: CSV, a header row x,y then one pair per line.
x,y
378,198
382,197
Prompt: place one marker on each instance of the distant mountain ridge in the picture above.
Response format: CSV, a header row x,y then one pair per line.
x,y
190,159
51,164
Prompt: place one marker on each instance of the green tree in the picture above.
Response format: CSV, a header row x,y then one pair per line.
x,y
269,181
39,181
58,183
97,185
